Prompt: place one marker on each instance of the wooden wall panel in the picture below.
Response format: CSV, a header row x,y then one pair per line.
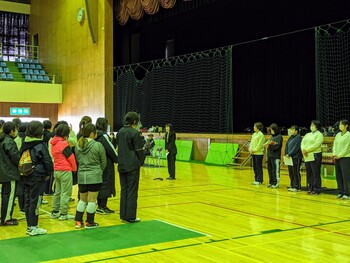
x,y
36,110
66,47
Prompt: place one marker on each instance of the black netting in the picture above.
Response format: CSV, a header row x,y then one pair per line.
x,y
333,72
193,92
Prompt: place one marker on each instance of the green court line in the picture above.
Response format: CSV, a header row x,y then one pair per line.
x,y
83,242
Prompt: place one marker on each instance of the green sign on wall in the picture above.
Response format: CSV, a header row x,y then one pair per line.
x,y
19,111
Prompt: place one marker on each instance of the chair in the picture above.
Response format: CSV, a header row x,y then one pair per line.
x,y
30,71
34,78
29,60
9,76
36,72
40,78
26,65
23,60
38,66
42,72
35,61
46,79
3,76
24,71
28,78
1,70
150,158
20,65
6,70
17,60
1,59
3,64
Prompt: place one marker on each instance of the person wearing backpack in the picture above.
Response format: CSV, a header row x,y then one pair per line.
x,y
9,175
33,183
64,165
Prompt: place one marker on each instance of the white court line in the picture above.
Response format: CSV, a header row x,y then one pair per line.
x,y
182,227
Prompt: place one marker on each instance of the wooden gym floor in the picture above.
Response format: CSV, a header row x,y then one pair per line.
x,y
239,222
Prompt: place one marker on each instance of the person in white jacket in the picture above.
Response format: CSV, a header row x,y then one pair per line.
x,y
341,154
257,150
311,149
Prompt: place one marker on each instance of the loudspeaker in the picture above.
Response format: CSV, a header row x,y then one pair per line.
x,y
92,15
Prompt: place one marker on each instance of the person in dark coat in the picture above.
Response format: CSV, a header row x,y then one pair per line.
x,y
33,183
9,175
171,150
293,150
130,158
108,184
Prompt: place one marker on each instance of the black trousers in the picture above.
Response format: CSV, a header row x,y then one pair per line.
x,y
171,164
32,201
273,167
8,194
20,193
294,174
129,187
258,168
313,173
342,169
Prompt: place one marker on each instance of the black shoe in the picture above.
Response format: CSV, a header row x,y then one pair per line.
x,y
108,211
171,178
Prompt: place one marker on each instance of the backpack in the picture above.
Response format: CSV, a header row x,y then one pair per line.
x,y
26,166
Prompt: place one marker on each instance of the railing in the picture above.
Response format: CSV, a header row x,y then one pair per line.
x,y
19,51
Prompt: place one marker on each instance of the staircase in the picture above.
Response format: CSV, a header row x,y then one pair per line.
x,y
243,157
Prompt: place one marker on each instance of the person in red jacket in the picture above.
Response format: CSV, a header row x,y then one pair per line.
x,y
64,165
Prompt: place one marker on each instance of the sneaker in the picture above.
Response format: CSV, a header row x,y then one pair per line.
x,y
339,196
345,197
44,202
256,183
11,222
108,211
136,220
100,210
91,225
274,186
66,217
294,190
54,215
269,185
28,230
171,178
37,231
314,193
78,224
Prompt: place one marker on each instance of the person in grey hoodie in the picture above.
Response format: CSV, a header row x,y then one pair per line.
x,y
274,146
91,157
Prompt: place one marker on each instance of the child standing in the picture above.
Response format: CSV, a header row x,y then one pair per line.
x,y
64,165
33,183
91,157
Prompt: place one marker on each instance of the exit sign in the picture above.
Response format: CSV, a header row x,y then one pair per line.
x,y
19,111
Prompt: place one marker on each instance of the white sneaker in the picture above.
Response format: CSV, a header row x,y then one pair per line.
x,y
274,186
37,231
256,183
345,197
66,217
54,215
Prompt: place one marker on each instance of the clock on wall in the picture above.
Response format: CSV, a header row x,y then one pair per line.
x,y
80,14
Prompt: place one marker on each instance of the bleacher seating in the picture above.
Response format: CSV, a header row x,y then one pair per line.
x,y
32,70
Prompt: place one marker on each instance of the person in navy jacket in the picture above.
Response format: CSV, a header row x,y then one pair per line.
x,y
293,150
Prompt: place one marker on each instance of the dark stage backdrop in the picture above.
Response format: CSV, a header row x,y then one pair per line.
x,y
273,79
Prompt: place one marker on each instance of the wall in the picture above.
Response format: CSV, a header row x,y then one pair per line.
x,y
66,48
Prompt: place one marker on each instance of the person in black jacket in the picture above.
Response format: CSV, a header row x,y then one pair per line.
x,y
9,175
171,150
130,158
274,146
33,183
108,178
293,150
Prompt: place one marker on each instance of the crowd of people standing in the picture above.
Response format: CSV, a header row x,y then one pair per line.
x,y
300,149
